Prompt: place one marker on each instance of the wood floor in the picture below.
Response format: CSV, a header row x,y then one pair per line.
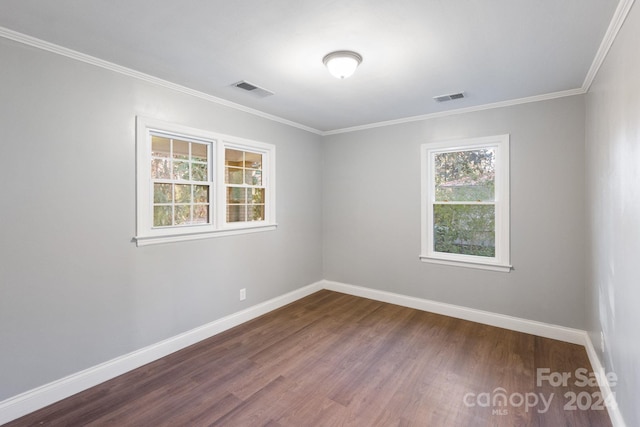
x,y
336,360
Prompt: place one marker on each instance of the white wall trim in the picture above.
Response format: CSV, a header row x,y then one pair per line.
x,y
508,103
79,56
574,336
32,400
619,16
605,388
612,31
546,330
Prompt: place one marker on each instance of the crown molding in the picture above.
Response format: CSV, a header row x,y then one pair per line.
x,y
619,16
69,53
508,103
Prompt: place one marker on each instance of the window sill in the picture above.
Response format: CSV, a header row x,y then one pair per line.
x,y
478,265
156,240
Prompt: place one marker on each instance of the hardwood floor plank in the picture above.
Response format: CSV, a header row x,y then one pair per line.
x,y
332,359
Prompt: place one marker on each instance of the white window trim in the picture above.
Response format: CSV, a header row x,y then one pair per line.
x,y
268,177
146,234
501,261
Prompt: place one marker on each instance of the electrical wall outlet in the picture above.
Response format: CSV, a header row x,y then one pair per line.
x,y
243,294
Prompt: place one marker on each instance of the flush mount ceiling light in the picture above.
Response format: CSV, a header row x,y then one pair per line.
x,y
343,63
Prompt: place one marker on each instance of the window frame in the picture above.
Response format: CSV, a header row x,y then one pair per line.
x,y
501,260
147,234
268,166
173,181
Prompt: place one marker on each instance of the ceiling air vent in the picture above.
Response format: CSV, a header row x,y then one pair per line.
x,y
252,89
449,97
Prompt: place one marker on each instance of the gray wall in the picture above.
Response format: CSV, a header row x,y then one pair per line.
x,y
372,212
613,183
74,290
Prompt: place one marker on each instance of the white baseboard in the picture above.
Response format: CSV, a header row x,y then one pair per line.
x,y
605,388
32,400
574,336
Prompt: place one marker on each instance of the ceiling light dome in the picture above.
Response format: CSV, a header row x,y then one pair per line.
x,y
343,63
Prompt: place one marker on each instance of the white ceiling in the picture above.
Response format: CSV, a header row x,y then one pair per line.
x,y
493,50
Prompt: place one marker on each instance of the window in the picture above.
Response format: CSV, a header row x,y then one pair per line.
x,y
465,203
244,185
194,184
181,181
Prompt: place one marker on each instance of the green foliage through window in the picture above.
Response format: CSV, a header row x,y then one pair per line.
x,y
179,173
465,175
464,229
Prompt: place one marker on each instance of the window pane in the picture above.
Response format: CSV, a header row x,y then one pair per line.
x,y
233,176
198,152
162,193
160,147
198,172
236,213
252,160
201,194
180,149
182,193
464,229
162,216
253,177
233,158
160,169
183,215
181,170
236,195
255,212
201,214
255,195
465,175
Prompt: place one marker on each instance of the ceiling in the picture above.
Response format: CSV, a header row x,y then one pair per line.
x,y
413,50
